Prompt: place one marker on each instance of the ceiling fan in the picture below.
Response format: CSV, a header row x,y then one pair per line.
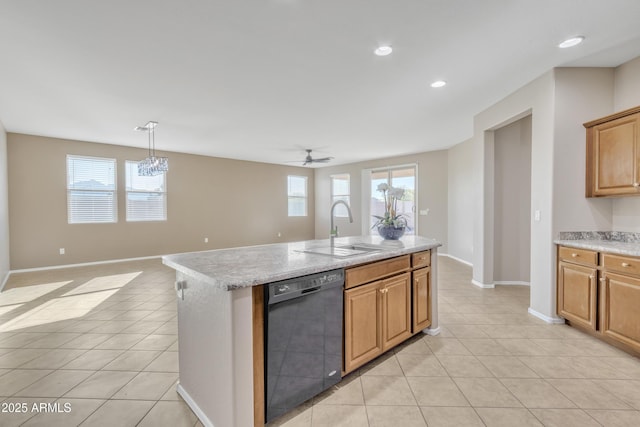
x,y
308,160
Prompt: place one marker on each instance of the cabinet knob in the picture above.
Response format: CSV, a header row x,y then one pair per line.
x,y
636,184
592,277
626,264
574,255
603,279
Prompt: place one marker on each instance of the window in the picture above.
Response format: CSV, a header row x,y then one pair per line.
x,y
297,195
400,177
340,190
146,195
91,190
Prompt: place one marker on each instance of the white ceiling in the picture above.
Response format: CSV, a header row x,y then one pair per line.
x,y
263,79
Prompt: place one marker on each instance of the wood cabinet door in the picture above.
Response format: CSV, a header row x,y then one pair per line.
x,y
616,154
362,323
396,310
619,314
421,299
577,294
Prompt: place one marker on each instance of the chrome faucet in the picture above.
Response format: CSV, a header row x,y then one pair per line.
x,y
334,230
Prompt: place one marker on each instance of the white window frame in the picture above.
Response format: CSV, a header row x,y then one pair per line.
x,y
341,211
291,196
132,166
73,214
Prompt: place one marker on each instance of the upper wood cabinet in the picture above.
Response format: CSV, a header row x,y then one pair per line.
x,y
613,155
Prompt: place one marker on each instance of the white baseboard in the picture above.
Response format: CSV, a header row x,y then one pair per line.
x,y
4,281
432,332
511,283
455,258
194,407
483,285
544,316
84,264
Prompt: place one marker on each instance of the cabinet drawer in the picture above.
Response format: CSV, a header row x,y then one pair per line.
x,y
578,256
621,264
377,270
421,259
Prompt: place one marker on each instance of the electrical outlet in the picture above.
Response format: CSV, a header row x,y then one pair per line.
x,y
61,251
279,234
536,215
206,240
424,212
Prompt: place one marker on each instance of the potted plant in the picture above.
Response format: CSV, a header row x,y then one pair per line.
x,y
392,225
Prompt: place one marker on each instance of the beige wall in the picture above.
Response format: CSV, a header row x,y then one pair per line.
x,y
626,211
233,203
535,99
432,194
512,202
581,95
4,209
460,201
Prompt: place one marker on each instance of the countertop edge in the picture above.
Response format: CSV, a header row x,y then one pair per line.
x,y
614,247
228,285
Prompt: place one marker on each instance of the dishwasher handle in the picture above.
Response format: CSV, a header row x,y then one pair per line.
x,y
273,298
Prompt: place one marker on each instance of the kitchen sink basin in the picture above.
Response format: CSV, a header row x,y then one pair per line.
x,y
343,251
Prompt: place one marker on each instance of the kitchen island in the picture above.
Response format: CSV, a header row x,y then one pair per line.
x,y
221,314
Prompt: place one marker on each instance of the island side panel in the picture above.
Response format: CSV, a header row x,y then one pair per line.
x,y
434,329
258,356
243,370
209,345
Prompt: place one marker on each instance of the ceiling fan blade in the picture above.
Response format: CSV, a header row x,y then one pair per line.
x,y
323,160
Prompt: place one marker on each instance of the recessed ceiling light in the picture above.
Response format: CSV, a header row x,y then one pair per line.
x,y
573,41
383,50
438,83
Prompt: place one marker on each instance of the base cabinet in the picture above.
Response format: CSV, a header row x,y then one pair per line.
x,y
619,305
421,299
577,294
377,318
385,303
600,293
362,325
396,310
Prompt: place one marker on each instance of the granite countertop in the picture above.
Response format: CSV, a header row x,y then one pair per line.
x,y
236,268
614,242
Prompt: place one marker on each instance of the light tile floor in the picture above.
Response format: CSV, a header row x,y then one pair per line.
x,y
103,340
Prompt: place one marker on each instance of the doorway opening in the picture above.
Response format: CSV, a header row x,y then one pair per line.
x,y
512,203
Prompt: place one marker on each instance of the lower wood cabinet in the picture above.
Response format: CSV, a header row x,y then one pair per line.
x,y
619,309
385,303
396,310
362,325
578,294
421,299
600,293
377,318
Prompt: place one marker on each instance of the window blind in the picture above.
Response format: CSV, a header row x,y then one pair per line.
x,y
297,195
340,190
91,190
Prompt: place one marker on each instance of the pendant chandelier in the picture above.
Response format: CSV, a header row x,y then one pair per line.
x,y
152,165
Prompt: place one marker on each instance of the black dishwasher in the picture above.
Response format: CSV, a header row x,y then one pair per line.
x,y
303,339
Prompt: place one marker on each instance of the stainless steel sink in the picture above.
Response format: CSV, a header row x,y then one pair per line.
x,y
343,251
